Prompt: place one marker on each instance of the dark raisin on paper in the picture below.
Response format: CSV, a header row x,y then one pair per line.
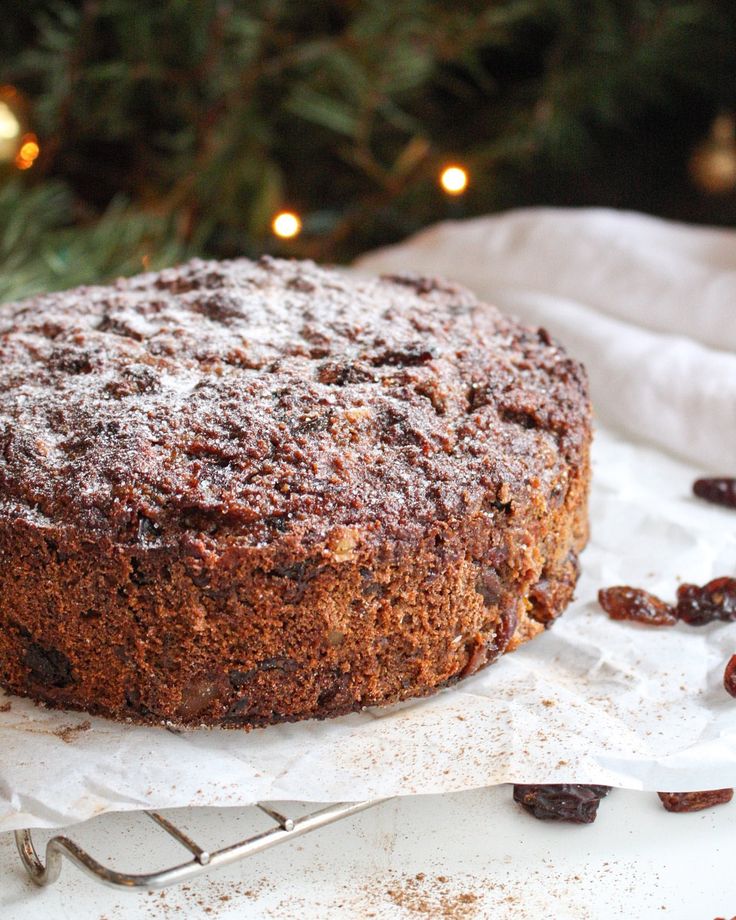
x,y
720,490
714,601
696,605
695,801
729,676
561,801
625,603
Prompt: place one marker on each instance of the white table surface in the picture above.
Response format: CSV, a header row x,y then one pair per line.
x,y
453,857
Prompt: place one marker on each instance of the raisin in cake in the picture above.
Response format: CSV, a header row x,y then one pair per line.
x,y
242,493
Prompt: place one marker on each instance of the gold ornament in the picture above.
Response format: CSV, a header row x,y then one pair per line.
x,y
713,165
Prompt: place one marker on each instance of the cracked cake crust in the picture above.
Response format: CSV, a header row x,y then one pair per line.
x,y
241,493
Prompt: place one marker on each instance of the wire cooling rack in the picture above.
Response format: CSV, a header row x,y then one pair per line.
x,y
285,828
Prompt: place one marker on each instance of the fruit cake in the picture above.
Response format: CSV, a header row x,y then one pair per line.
x,y
240,493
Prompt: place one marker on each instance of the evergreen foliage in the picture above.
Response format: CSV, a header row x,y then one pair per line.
x,y
174,127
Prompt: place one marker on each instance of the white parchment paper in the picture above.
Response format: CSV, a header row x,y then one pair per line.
x,y
649,307
591,700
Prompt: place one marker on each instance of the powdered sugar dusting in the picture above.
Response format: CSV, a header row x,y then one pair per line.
x,y
273,398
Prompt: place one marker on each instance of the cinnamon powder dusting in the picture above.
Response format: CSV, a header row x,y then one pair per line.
x,y
431,898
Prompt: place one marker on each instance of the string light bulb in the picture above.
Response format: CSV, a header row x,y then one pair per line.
x,y
713,165
18,145
454,180
286,225
28,153
10,125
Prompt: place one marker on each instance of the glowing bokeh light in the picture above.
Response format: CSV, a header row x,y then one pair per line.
x,y
286,225
28,153
9,132
454,180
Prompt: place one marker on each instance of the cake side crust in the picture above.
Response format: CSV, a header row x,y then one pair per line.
x,y
231,639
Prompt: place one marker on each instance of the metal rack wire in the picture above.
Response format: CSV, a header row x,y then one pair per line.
x,y
285,828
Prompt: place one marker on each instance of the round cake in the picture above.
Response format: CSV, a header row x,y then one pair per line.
x,y
240,493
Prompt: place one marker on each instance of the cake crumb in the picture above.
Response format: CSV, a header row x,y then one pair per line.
x,y
69,732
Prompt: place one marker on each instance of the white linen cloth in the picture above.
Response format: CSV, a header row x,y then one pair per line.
x,y
648,306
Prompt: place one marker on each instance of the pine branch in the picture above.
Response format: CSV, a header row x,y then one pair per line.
x,y
41,250
210,116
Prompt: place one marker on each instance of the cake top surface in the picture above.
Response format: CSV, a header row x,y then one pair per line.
x,y
277,400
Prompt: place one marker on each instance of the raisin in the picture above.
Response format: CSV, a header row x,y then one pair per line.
x,y
484,651
238,710
695,801
371,588
297,578
729,676
548,599
239,679
714,601
337,683
478,655
201,579
720,490
506,627
199,694
48,666
561,802
624,603
133,701
488,585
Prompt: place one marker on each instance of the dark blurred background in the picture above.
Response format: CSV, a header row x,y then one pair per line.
x,y
134,134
